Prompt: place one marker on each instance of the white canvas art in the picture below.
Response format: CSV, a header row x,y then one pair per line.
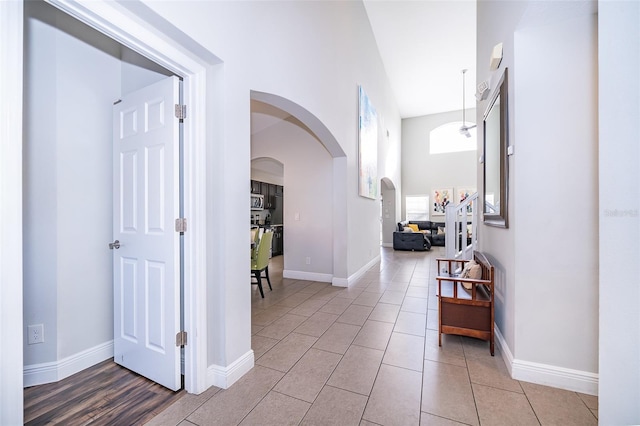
x,y
367,147
441,198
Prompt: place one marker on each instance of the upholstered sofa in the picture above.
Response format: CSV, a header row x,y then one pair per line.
x,y
432,231
437,235
404,238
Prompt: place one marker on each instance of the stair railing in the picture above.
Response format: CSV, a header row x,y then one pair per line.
x,y
459,242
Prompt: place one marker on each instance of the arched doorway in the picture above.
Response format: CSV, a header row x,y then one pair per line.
x,y
388,219
312,158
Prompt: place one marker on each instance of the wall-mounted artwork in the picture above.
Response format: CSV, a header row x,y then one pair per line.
x,y
441,198
367,147
463,194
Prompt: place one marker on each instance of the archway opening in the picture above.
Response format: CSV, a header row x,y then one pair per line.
x,y
388,216
314,198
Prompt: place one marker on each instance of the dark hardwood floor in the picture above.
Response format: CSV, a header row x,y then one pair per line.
x,y
105,394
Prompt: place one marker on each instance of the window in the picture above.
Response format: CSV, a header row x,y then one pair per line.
x,y
417,207
447,138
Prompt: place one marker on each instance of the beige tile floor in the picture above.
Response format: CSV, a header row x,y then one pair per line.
x,y
369,355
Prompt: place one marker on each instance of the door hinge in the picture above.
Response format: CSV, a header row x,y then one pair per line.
x,y
181,111
181,224
181,338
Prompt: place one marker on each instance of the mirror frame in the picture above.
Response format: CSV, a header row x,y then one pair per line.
x,y
498,219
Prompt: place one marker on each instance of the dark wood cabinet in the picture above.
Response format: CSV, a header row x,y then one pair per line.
x,y
271,197
277,247
256,188
269,190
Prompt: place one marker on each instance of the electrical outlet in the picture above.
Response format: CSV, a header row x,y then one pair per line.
x,y
35,334
308,261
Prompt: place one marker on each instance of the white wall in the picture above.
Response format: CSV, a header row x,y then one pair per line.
x,y
557,170
138,71
496,24
40,215
549,259
70,85
88,78
423,172
619,189
314,54
266,169
308,169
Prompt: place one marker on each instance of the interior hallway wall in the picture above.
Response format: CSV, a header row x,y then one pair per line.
x,y
553,165
423,172
308,197
567,285
314,54
619,217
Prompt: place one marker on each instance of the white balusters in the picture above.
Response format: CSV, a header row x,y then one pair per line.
x,y
456,235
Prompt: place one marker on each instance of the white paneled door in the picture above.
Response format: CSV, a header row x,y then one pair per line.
x,y
146,257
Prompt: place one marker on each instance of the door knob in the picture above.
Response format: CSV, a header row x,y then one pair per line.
x,y
114,245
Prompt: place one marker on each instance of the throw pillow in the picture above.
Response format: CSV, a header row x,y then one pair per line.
x,y
413,227
467,268
407,229
467,271
475,273
440,230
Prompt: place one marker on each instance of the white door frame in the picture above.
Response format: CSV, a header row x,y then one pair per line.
x,y
187,60
124,26
11,336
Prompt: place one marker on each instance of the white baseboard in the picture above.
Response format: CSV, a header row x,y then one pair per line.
x,y
390,245
307,276
545,374
360,272
507,356
328,278
50,372
223,377
340,282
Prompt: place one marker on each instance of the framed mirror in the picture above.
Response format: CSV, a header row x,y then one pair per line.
x,y
496,164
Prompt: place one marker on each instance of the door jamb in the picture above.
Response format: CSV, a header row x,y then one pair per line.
x,y
11,336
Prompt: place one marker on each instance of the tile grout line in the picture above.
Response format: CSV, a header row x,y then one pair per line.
x,y
379,366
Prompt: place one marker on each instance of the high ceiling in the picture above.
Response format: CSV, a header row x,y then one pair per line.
x,y
424,45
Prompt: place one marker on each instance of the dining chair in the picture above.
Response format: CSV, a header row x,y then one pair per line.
x,y
255,237
260,261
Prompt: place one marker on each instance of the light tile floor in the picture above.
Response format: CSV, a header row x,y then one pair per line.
x,y
369,355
